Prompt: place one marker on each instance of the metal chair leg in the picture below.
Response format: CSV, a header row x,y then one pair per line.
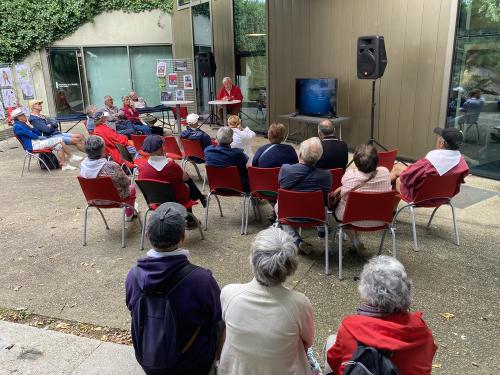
x,y
29,163
103,218
382,242
340,252
414,228
85,225
218,202
244,215
327,251
143,230
123,227
393,233
455,228
24,163
204,181
246,218
206,210
432,216
197,169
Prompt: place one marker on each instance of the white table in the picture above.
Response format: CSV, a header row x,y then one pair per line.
x,y
314,120
177,104
224,104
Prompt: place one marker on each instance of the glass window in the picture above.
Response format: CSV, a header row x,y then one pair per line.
x,y
107,74
202,40
183,3
251,62
143,64
474,96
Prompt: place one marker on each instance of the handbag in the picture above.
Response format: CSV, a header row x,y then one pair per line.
x,y
335,198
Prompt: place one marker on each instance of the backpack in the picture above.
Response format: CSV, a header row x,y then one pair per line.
x,y
367,360
50,159
154,325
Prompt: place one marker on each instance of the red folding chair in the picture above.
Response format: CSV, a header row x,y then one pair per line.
x,y
226,182
337,174
387,158
192,149
304,210
34,154
158,192
436,191
138,140
183,113
362,206
264,184
171,148
129,164
101,193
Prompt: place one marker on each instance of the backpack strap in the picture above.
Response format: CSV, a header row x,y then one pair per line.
x,y
261,155
173,281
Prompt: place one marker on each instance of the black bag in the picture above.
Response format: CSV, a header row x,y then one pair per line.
x,y
156,130
367,360
50,160
154,326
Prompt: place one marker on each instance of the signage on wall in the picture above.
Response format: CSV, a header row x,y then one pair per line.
x,y
188,81
6,79
172,79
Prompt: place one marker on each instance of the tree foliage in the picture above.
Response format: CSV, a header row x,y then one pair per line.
x,y
31,24
249,18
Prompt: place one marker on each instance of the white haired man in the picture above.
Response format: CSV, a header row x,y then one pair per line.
x,y
228,92
304,176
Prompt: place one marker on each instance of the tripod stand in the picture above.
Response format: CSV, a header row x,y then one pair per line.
x,y
372,140
212,118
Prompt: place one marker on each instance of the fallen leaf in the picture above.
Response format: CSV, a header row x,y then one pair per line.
x,y
436,365
447,316
475,364
104,338
16,288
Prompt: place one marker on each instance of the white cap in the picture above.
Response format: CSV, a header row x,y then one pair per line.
x,y
192,118
16,112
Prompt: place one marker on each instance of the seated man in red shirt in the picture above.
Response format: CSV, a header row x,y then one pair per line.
x,y
229,92
446,159
160,168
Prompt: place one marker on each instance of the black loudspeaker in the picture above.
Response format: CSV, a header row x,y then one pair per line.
x,y
206,64
372,58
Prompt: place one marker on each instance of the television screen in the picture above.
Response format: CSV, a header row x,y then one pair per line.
x,y
316,96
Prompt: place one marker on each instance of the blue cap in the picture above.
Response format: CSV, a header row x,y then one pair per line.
x,y
152,143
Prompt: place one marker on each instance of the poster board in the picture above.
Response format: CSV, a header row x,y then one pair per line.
x,y
16,84
176,80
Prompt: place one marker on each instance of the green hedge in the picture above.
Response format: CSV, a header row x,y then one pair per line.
x,y
31,24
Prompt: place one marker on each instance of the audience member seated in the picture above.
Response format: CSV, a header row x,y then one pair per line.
x,y
275,154
195,300
160,168
133,116
242,136
368,178
223,155
268,326
124,126
229,92
112,111
111,138
194,133
49,128
304,176
383,321
139,103
96,165
90,111
33,140
446,159
335,152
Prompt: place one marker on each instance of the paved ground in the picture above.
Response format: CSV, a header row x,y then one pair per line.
x,y
46,269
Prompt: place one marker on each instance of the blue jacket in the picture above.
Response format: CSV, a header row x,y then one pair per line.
x,y
278,155
47,127
197,135
196,302
225,156
23,132
301,177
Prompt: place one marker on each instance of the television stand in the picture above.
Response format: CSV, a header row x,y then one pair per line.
x,y
312,120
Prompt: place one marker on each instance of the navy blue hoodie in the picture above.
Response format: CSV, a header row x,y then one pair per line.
x,y
196,302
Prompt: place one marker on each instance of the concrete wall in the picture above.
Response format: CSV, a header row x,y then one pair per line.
x,y
318,39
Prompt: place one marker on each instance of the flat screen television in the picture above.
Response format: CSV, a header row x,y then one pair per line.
x,y
316,96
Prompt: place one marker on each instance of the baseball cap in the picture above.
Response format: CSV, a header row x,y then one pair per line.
x,y
459,89
32,102
192,118
452,136
16,112
152,143
167,224
100,114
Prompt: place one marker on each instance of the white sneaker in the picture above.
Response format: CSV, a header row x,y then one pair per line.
x,y
68,167
75,158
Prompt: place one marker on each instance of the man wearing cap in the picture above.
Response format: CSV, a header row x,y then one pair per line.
x,y
194,133
196,300
32,139
48,127
446,159
160,168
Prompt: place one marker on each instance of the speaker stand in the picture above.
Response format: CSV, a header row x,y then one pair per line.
x,y
372,140
212,118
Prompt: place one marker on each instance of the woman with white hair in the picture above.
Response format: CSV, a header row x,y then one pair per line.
x,y
229,92
268,326
383,321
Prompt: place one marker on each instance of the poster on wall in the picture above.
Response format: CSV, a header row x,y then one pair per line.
x,y
9,98
6,79
22,73
179,95
188,81
172,80
161,68
180,66
28,91
166,96
2,112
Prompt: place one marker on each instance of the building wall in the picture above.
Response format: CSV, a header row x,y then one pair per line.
x,y
318,39
223,39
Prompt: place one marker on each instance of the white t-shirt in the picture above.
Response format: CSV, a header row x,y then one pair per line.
x,y
267,330
243,139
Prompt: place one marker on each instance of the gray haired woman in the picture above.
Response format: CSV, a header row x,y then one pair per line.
x,y
268,326
383,321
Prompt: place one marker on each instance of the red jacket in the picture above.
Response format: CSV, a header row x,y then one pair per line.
x,y
111,137
405,334
171,173
235,94
131,113
413,177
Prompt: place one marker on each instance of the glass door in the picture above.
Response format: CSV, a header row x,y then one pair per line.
x,y
202,41
66,70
